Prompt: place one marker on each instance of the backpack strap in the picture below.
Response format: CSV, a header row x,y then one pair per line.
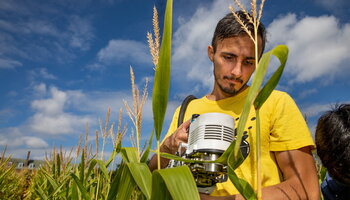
x,y
183,108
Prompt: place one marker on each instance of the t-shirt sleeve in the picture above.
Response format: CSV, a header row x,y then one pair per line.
x,y
173,124
289,130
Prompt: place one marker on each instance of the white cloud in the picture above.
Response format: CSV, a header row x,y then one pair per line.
x,y
81,32
58,124
317,109
40,88
307,93
45,74
9,63
98,102
51,106
51,118
124,50
10,137
30,26
35,142
191,40
13,137
39,74
42,27
319,46
35,154
33,21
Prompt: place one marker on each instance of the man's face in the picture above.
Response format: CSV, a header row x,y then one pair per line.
x,y
234,63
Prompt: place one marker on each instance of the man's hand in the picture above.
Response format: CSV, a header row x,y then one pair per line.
x,y
171,145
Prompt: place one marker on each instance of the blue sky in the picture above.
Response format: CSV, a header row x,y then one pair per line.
x,y
63,63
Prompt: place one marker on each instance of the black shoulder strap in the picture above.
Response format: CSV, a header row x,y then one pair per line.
x,y
183,108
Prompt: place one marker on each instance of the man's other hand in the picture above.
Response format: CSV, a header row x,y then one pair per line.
x,y
171,143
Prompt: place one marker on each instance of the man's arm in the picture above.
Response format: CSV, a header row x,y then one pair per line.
x,y
171,145
300,178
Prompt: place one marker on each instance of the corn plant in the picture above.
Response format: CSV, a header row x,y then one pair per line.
x,y
85,178
13,184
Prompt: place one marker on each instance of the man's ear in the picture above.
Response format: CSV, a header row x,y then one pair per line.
x,y
211,53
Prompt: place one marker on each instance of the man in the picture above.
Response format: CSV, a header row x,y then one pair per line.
x,y
333,148
288,169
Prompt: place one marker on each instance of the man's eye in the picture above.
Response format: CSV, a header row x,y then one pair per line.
x,y
228,57
249,62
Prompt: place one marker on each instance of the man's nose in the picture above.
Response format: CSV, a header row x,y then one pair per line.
x,y
237,69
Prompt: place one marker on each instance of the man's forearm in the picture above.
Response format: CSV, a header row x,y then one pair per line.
x,y
284,191
292,189
153,164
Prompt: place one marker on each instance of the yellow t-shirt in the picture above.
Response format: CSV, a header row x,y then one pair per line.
x,y
282,128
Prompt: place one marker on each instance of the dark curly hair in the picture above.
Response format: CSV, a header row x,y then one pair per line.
x,y
333,142
228,26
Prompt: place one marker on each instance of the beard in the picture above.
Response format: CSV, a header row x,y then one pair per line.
x,y
231,88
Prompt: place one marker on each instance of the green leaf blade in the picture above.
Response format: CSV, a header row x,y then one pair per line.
x,y
162,75
148,149
142,177
242,186
81,187
103,168
281,52
129,154
178,181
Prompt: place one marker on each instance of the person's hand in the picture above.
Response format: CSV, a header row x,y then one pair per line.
x,y
171,144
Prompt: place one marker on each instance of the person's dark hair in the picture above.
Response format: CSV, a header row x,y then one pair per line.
x,y
333,142
230,27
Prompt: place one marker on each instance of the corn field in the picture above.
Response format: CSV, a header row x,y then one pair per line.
x,y
84,174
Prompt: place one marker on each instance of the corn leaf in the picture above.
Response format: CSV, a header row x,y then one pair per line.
x,y
159,188
41,193
223,159
58,191
178,182
51,180
142,177
113,155
53,167
281,52
75,194
146,152
58,165
322,174
112,193
103,168
129,154
242,186
81,187
82,167
6,173
126,187
91,167
162,74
